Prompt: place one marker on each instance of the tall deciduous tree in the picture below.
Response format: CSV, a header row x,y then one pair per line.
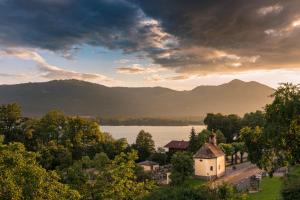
x,y
277,143
239,147
10,118
182,167
229,125
281,132
228,150
253,143
144,145
52,127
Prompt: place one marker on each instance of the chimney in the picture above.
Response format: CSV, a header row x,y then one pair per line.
x,y
213,138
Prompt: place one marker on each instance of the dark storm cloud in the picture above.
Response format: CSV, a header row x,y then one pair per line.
x,y
56,25
191,36
231,36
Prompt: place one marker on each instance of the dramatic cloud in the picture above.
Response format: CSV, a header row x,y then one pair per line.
x,y
189,37
50,71
139,69
285,31
237,28
274,9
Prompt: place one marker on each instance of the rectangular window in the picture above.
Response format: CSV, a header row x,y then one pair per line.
x,y
219,167
211,168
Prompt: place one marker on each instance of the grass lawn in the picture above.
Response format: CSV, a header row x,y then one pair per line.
x,y
195,182
270,189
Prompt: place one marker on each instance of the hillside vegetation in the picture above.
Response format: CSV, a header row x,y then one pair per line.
x,y
87,99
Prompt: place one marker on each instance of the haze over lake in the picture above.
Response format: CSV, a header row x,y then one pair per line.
x,y
160,134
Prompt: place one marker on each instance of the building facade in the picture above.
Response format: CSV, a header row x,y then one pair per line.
x,y
209,160
149,166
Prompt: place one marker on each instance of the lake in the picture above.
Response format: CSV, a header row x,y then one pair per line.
x,y
160,134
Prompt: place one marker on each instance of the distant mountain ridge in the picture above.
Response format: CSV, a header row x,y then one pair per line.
x,y
76,97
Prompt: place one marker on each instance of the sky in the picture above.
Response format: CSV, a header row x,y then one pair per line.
x,y
138,43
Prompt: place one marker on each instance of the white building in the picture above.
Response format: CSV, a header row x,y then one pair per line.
x,y
209,160
149,165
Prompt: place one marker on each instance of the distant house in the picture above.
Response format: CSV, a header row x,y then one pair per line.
x,y
209,160
149,165
175,146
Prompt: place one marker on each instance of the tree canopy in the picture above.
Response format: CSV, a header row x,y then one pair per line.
x,y
119,182
277,143
229,125
144,145
182,167
21,177
197,140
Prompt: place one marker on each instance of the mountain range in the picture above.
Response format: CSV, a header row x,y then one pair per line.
x,y
76,97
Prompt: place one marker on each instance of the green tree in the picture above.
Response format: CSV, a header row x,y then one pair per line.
x,y
220,137
82,175
84,136
182,167
144,145
193,143
229,125
160,156
253,143
22,178
10,119
54,156
119,182
277,143
239,147
228,192
228,150
203,137
281,132
254,119
52,127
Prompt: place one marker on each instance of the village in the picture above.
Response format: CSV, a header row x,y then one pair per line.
x,y
230,158
212,166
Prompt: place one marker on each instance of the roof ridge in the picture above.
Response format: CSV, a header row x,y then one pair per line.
x,y
208,150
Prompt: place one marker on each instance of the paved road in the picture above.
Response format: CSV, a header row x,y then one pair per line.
x,y
241,172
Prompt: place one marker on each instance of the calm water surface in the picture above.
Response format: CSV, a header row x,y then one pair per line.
x,y
160,134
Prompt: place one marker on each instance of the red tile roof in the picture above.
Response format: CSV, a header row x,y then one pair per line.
x,y
180,145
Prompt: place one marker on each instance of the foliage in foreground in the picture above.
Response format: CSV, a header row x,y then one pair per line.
x,y
119,180
22,178
88,161
224,192
276,144
182,167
